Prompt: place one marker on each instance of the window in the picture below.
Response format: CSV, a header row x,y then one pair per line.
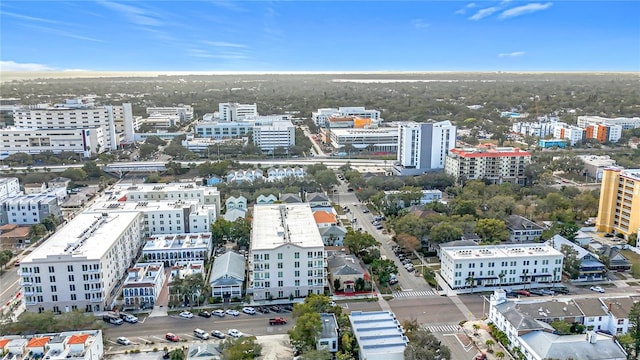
x,y
620,321
296,273
53,288
51,269
54,298
279,256
296,255
72,287
280,266
70,268
52,278
73,297
71,278
296,264
280,274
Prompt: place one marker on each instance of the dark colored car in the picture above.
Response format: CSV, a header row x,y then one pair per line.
x,y
288,307
204,314
275,308
263,309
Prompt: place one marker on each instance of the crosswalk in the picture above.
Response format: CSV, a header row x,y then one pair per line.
x,y
420,293
443,328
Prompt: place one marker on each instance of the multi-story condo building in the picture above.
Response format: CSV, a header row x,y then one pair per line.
x,y
481,268
77,345
571,133
619,209
76,114
536,129
278,134
604,132
183,112
32,140
286,257
487,162
165,192
321,116
126,124
171,249
236,112
143,284
378,139
424,146
594,165
9,187
82,264
626,123
29,209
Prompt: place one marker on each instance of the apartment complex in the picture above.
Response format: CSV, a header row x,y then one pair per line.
x,y
286,257
29,209
619,208
278,134
572,134
321,117
183,112
487,162
377,140
604,132
82,265
424,146
143,284
174,248
481,268
9,187
625,123
77,345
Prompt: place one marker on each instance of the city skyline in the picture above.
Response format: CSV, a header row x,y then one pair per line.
x,y
296,36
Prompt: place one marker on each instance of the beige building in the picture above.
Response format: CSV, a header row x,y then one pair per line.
x,y
619,209
488,162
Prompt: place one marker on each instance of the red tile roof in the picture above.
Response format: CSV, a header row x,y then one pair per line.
x,y
3,343
38,342
78,339
323,217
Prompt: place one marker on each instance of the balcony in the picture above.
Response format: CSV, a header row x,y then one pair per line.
x,y
96,300
31,302
28,293
26,283
25,272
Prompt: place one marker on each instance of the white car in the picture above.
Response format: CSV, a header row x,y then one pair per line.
x,y
332,303
234,333
218,313
123,341
233,312
596,289
186,315
249,310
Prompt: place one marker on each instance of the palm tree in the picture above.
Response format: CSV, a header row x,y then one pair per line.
x,y
489,343
500,355
501,276
476,327
470,280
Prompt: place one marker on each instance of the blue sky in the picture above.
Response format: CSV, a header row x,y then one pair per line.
x,y
225,35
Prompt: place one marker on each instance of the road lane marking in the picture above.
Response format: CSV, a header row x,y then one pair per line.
x,y
9,288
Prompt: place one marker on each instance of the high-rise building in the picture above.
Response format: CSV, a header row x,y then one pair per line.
x,y
287,255
619,209
236,112
424,146
487,162
279,134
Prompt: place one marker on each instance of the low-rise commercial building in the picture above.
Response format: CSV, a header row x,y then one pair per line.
x,y
183,112
594,165
322,116
278,134
379,335
376,140
171,249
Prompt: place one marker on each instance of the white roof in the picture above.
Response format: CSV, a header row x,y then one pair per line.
x,y
499,251
177,241
277,224
88,235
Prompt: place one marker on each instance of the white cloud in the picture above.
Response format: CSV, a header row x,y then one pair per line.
x,y
135,15
483,13
511,54
464,9
14,66
29,18
524,9
420,24
224,44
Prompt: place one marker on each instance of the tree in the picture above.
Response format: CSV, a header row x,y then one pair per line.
x,y
155,140
412,225
383,270
408,242
326,178
571,264
634,330
146,150
242,348
357,242
323,354
240,231
490,343
304,334
221,231
5,257
500,355
424,345
568,230
93,171
74,174
444,232
492,230
561,327
177,354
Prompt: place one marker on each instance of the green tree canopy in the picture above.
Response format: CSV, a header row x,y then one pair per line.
x,y
492,230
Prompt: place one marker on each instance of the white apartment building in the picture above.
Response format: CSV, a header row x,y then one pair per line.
x,y
161,121
82,264
572,133
424,146
165,192
236,112
143,284
76,114
126,124
487,162
481,268
287,255
29,209
77,345
604,132
33,140
278,134
223,129
9,187
535,129
174,248
321,116
379,139
626,123
183,112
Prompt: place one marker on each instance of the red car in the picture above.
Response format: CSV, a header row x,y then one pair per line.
x,y
523,292
172,337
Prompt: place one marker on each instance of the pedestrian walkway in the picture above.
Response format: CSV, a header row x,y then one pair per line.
x,y
443,328
421,293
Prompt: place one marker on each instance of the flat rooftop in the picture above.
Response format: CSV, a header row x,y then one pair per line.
x,y
277,225
500,251
359,131
108,203
88,235
633,174
177,241
378,332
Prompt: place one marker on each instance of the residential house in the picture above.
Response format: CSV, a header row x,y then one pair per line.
x,y
227,275
591,269
318,199
595,314
328,338
35,188
290,199
582,239
333,235
13,236
616,260
266,199
618,309
213,181
59,182
278,174
143,284
346,269
325,219
234,214
203,351
245,175
233,202
522,229
398,198
37,345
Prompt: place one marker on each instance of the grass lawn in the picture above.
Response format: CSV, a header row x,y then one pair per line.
x,y
338,209
634,259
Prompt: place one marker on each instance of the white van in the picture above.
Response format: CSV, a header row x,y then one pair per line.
x,y
199,333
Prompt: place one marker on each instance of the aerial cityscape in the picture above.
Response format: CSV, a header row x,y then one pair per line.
x,y
240,180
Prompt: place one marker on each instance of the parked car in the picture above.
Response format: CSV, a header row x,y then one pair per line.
x,y
232,312
511,294
275,308
560,290
263,309
393,281
288,307
597,289
332,303
123,341
249,310
218,313
186,314
204,314
365,210
172,337
199,333
234,333
218,334
523,292
128,318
